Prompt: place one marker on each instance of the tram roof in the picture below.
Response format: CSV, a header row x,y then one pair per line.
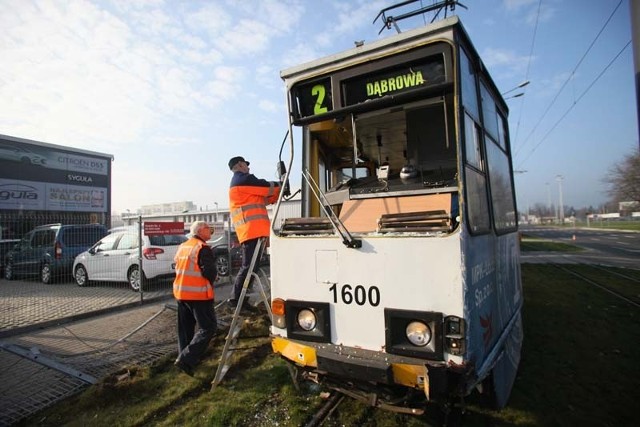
x,y
403,38
410,38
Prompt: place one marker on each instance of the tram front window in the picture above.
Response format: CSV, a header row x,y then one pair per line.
x,y
389,162
396,150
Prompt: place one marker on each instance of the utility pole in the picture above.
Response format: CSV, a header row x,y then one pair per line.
x,y
634,9
561,207
548,198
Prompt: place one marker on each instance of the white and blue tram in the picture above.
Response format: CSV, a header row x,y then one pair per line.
x,y
400,283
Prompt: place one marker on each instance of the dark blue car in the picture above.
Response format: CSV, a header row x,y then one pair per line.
x,y
48,251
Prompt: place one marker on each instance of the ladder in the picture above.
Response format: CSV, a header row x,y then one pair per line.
x,y
236,325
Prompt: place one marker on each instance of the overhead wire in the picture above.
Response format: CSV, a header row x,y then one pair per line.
x,y
568,80
576,101
526,77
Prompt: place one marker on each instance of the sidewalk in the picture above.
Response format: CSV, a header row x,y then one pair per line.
x,y
42,363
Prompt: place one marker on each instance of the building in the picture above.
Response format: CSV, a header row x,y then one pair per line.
x,y
289,209
162,208
43,183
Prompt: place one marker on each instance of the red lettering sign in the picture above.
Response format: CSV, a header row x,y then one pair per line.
x,y
161,228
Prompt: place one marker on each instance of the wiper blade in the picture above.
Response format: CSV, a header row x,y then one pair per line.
x,y
347,238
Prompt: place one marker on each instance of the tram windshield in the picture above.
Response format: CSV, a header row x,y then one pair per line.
x,y
402,149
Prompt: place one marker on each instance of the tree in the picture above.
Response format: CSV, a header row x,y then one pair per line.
x,y
624,179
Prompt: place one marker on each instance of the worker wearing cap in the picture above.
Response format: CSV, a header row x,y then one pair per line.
x,y
248,200
193,290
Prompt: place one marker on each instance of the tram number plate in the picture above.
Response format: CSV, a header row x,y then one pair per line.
x,y
361,295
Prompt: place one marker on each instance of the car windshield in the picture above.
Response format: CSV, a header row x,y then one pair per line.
x,y
167,240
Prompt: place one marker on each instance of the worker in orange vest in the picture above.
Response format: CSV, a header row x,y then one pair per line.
x,y
248,200
193,290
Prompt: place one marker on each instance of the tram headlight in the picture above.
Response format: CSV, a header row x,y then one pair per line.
x,y
413,333
307,319
418,333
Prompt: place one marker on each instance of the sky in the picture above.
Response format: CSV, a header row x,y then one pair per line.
x,y
173,89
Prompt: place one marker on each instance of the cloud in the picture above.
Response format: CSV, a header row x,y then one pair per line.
x,y
269,106
505,62
533,10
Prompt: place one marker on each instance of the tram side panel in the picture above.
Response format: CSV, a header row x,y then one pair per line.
x,y
492,307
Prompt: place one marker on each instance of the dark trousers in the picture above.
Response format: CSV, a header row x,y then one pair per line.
x,y
191,343
248,248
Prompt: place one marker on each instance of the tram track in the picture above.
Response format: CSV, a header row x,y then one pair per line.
x,y
592,282
325,411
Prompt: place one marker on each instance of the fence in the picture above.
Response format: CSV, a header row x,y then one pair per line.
x,y
62,270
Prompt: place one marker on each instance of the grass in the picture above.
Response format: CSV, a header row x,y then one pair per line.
x,y
532,244
615,225
578,367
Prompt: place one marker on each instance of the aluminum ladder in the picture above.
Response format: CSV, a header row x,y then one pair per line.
x,y
236,325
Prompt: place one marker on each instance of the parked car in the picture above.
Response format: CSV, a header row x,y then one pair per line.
x,y
5,246
49,250
220,245
115,258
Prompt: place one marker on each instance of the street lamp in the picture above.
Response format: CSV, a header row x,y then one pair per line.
x,y
521,85
517,95
216,217
561,207
548,198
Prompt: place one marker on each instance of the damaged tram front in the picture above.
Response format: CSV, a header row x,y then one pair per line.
x,y
400,283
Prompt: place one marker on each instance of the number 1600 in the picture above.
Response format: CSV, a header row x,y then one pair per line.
x,y
358,294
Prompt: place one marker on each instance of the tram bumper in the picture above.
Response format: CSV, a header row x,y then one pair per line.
x,y
348,365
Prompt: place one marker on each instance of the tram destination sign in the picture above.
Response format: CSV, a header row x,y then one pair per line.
x,y
313,98
392,81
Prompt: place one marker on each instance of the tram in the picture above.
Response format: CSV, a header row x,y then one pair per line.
x,y
400,283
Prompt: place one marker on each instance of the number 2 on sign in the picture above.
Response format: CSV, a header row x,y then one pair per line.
x,y
319,92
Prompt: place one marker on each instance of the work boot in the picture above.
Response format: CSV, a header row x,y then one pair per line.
x,y
183,367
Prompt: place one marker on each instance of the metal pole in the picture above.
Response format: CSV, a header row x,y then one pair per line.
x,y
561,207
548,198
140,257
634,9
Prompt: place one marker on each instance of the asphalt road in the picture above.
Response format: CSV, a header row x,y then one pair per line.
x,y
609,247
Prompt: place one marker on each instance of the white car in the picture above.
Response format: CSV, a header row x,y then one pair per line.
x,y
115,258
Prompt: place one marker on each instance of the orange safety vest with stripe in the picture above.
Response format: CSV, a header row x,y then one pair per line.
x,y
189,283
248,200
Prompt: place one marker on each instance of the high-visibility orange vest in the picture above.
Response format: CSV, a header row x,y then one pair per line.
x,y
189,283
248,200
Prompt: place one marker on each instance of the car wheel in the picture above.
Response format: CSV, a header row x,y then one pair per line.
x,y
45,274
134,278
81,276
222,265
8,271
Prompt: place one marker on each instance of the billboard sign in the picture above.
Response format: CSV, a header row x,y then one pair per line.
x,y
46,177
44,196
